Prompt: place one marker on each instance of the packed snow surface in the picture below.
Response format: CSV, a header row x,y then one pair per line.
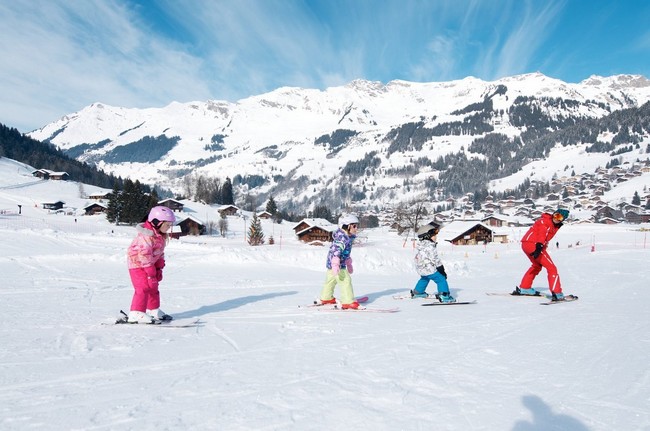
x,y
258,361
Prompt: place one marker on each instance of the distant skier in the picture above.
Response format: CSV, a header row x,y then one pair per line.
x,y
339,263
146,260
429,265
535,244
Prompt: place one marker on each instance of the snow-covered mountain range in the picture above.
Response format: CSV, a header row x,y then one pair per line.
x,y
366,144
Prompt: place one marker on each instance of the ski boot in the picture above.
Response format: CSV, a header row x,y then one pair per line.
x,y
557,297
445,297
327,301
527,292
160,315
140,317
415,294
351,306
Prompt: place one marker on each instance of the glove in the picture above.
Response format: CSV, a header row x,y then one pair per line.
x,y
441,270
538,250
160,263
336,266
159,275
348,265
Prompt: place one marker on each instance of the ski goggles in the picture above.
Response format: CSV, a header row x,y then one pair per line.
x,y
558,217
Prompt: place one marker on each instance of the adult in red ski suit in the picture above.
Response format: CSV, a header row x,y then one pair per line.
x,y
535,245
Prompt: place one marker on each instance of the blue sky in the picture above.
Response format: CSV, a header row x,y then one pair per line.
x,y
58,56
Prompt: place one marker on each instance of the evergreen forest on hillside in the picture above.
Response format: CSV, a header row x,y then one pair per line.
x,y
39,155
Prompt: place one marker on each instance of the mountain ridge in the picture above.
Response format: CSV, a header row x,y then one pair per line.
x,y
362,144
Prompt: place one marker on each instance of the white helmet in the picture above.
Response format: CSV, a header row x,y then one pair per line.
x,y
347,219
428,230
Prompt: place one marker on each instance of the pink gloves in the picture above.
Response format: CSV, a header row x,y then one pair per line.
x,y
348,265
160,264
336,266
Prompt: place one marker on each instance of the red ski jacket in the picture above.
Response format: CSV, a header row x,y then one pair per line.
x,y
543,230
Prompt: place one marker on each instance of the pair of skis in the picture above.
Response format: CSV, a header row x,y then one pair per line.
x,y
433,297
361,300
362,309
549,298
123,320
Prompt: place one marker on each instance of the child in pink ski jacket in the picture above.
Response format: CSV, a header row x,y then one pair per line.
x,y
146,260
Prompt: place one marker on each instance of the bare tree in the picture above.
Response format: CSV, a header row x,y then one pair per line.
x,y
410,218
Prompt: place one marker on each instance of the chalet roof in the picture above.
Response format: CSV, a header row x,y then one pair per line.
x,y
169,200
320,222
95,204
329,229
189,217
49,172
225,207
455,229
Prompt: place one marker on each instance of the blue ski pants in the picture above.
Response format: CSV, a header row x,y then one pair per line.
x,y
436,277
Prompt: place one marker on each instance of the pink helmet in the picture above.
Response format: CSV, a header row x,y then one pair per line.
x,y
160,214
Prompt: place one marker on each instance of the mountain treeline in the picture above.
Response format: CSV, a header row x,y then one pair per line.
x,y
208,190
39,155
495,155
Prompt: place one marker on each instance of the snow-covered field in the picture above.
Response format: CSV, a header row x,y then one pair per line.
x,y
259,362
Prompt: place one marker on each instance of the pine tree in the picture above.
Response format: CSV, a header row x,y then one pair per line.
x,y
255,233
636,199
271,206
114,206
227,194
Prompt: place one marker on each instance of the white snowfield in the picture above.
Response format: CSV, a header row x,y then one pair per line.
x,y
259,362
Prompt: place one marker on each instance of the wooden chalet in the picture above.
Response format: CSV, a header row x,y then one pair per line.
x,y
46,174
636,217
53,205
172,204
265,215
471,233
608,212
608,220
228,210
314,230
190,226
95,208
495,221
99,196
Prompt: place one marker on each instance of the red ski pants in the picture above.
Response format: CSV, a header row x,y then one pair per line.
x,y
543,261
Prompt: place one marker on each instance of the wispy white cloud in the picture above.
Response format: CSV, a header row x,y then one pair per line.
x,y
439,62
510,44
61,56
531,32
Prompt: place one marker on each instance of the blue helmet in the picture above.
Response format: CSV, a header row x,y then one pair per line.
x,y
560,214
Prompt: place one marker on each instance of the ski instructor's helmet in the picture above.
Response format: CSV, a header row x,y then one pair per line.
x,y
160,214
347,219
560,215
428,231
